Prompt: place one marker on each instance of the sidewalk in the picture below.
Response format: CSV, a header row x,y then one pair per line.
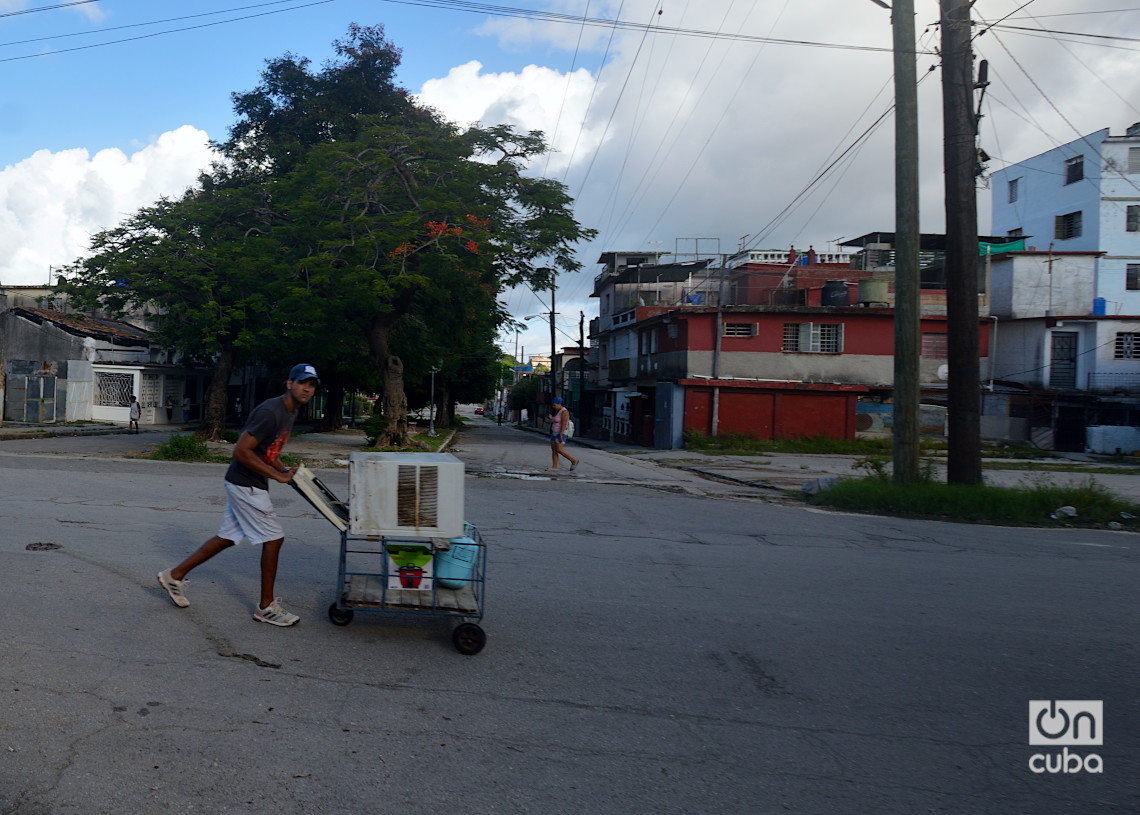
x,y
27,430
791,472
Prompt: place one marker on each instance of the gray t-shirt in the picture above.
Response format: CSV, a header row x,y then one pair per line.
x,y
270,423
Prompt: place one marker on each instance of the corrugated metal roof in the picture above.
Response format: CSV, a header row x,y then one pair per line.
x,y
80,325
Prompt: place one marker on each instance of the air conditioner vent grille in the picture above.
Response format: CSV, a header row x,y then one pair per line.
x,y
405,494
417,496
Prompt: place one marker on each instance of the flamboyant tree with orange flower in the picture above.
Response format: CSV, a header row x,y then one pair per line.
x,y
423,224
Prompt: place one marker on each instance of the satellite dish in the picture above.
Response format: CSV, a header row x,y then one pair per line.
x,y
943,372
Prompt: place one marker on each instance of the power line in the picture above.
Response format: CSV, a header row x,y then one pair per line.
x,y
547,16
161,33
47,8
138,25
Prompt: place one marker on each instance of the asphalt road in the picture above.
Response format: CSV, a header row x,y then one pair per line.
x,y
657,643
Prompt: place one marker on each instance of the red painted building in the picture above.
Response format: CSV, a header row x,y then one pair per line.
x,y
774,350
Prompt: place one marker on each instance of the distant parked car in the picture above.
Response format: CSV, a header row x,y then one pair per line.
x,y
478,411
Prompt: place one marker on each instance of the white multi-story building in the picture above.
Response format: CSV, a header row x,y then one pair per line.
x,y
1068,308
1083,196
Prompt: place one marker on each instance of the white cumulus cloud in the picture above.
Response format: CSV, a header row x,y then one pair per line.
x,y
535,98
52,203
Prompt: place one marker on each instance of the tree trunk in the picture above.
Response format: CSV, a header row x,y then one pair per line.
x,y
446,408
393,402
334,408
214,415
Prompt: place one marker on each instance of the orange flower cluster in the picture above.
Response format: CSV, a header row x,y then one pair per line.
x,y
403,249
472,247
485,222
439,228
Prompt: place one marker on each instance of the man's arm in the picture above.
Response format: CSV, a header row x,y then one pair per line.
x,y
244,453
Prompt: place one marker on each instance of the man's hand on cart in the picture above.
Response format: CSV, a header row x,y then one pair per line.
x,y
285,476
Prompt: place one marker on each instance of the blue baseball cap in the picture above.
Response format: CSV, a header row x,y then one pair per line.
x,y
304,371
558,400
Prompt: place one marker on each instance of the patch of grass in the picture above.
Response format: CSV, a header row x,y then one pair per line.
x,y
185,448
744,444
1012,506
421,443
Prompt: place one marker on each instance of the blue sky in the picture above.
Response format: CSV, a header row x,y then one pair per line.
x,y
708,127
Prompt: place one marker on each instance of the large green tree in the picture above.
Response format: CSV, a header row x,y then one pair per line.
x,y
421,215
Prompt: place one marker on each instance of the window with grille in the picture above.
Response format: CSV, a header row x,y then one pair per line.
x,y
1133,160
814,338
1075,170
1132,220
1015,233
113,390
934,346
740,329
1127,345
1067,226
1013,185
1132,277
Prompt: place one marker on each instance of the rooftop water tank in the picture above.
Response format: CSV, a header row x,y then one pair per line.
x,y
834,294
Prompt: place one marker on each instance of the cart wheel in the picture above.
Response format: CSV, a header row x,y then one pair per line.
x,y
468,639
340,616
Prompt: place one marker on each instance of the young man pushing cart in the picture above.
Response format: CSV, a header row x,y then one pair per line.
x,y
249,511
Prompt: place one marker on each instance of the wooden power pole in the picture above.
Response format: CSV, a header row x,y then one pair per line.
x,y
964,461
907,305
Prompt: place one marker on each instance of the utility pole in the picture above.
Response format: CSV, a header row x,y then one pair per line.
x,y
581,364
553,350
964,461
907,301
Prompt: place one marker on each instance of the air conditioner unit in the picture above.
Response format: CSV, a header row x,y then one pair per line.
x,y
405,495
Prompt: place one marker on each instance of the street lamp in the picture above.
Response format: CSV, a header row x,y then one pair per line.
x,y
553,352
431,407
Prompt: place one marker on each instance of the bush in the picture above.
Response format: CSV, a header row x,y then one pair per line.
x,y
182,448
230,435
374,427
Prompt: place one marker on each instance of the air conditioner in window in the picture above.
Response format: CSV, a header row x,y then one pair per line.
x,y
405,495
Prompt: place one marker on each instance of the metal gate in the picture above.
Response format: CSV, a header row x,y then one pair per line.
x,y
1063,365
39,399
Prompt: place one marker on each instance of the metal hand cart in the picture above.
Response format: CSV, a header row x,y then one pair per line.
x,y
413,574
371,578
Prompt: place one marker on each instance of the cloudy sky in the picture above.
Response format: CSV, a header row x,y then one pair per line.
x,y
685,127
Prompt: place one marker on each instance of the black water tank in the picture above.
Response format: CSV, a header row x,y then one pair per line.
x,y
834,294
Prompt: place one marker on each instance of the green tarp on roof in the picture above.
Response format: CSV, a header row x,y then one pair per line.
x,y
985,248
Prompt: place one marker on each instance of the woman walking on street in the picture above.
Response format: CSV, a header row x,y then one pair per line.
x,y
558,435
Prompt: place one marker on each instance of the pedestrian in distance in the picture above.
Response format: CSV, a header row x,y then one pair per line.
x,y
249,511
136,414
500,417
170,410
185,408
558,422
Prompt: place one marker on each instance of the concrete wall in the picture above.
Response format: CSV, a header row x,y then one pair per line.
x,y
1042,194
1112,439
1031,284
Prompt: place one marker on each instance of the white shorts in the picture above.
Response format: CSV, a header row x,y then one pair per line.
x,y
249,514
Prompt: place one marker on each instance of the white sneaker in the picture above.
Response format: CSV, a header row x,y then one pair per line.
x,y
275,615
174,588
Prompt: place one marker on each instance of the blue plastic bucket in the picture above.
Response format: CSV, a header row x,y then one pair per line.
x,y
453,568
